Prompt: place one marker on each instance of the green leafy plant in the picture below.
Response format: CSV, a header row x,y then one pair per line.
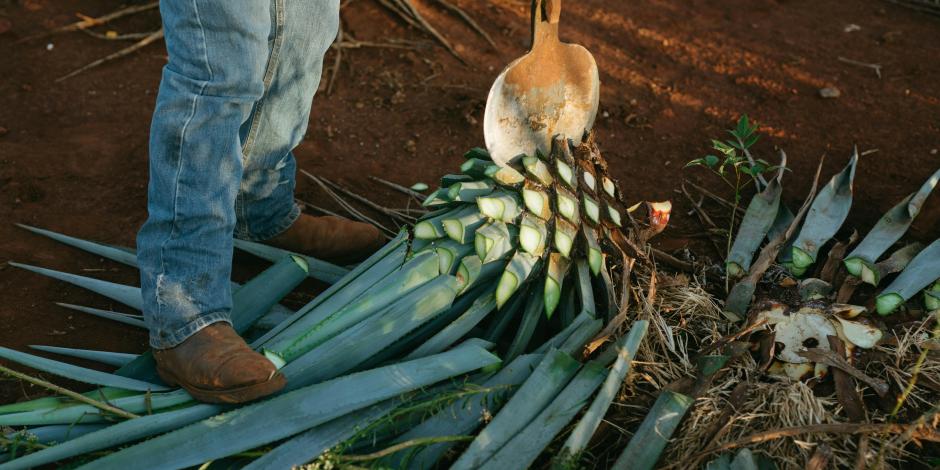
x,y
735,165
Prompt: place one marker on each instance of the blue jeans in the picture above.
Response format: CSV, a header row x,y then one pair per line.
x,y
234,101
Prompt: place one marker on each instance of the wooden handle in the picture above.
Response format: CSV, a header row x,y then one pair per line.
x,y
545,16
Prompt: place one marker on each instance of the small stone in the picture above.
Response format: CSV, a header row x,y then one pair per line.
x,y
829,92
5,25
4,131
932,151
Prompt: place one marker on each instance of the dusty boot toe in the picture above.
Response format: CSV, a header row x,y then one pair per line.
x,y
216,365
244,369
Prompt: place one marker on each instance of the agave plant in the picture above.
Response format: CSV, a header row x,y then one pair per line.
x,y
503,250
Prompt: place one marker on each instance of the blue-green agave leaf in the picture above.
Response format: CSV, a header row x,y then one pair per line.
x,y
79,374
889,229
250,426
923,270
825,217
105,357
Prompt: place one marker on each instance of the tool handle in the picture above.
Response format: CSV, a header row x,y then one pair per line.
x,y
545,16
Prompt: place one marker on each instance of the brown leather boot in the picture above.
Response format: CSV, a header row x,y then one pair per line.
x,y
330,238
216,366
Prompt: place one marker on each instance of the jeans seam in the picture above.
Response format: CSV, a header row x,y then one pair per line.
x,y
179,335
268,75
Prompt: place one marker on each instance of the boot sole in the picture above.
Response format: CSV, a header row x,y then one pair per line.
x,y
231,395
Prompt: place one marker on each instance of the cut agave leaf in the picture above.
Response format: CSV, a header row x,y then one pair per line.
x,y
574,344
79,374
449,254
505,176
532,235
537,202
923,270
461,229
249,427
318,269
127,295
56,433
494,241
650,439
566,173
358,343
595,255
549,378
932,296
46,404
825,216
463,416
417,272
587,176
81,413
527,444
889,229
565,235
530,320
585,291
478,153
758,219
538,169
433,227
114,253
872,274
501,205
609,187
554,280
626,350
306,446
506,314
448,180
133,320
568,206
476,167
591,209
117,434
517,271
458,328
472,270
613,215
563,335
470,190
104,357
439,198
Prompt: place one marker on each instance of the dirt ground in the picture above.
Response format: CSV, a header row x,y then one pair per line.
x,y
73,154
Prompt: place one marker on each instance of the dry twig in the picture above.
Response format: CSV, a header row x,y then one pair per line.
x,y
64,391
152,37
90,22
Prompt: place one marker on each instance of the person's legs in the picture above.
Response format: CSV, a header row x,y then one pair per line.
x,y
265,205
218,53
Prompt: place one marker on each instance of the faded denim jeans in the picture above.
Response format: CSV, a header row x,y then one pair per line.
x,y
234,101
